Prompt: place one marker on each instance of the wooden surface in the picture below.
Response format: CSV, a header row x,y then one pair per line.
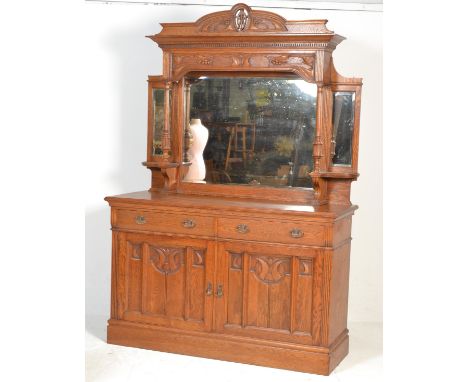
x,y
242,273
213,277
268,45
271,230
309,359
152,199
165,222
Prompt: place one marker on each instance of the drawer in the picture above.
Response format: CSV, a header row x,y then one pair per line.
x,y
272,231
165,222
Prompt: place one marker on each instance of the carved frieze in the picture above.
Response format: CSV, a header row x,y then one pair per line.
x,y
199,61
301,64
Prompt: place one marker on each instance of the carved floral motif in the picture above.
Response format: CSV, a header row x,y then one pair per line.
x,y
270,270
307,61
166,260
300,63
205,60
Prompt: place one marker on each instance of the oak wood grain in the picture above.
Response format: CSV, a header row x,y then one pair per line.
x,y
318,360
250,274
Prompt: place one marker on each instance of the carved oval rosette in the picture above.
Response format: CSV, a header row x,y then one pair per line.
x,y
241,18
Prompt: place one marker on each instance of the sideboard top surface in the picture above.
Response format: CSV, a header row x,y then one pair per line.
x,y
155,199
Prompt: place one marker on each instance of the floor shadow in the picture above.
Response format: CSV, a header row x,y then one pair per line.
x,y
97,268
365,343
97,326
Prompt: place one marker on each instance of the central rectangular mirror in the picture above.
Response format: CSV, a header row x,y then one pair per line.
x,y
258,130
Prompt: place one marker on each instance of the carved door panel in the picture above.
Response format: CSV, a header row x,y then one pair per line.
x,y
268,291
165,281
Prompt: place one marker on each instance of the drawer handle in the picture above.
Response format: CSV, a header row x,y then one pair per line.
x,y
243,228
209,290
140,219
219,290
189,223
296,233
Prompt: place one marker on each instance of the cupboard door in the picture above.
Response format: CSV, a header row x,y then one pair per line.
x,y
269,291
165,281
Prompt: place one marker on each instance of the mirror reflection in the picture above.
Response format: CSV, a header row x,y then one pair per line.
x,y
260,130
158,120
343,127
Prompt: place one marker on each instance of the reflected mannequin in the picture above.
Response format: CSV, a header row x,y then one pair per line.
x,y
197,170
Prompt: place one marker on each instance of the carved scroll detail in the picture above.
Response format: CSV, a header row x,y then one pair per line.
x,y
270,270
218,60
135,250
236,260
305,267
166,260
237,60
260,23
198,258
292,60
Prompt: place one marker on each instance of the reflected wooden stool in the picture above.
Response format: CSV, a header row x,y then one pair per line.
x,y
233,144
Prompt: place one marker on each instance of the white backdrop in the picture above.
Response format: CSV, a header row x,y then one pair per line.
x,y
121,58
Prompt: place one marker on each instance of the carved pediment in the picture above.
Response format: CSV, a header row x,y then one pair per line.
x,y
240,26
241,18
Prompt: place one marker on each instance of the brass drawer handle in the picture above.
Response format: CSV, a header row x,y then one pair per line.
x,y
209,289
243,228
140,219
296,233
219,290
189,223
